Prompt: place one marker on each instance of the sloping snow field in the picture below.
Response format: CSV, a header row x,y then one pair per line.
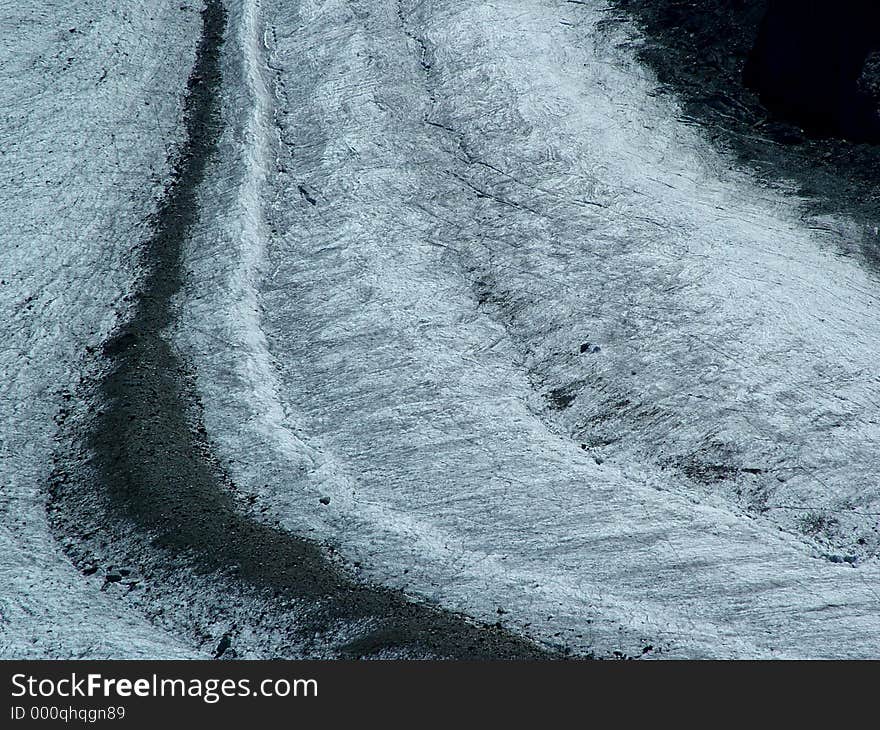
x,y
462,273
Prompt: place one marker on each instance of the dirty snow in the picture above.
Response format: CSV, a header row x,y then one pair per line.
x,y
461,270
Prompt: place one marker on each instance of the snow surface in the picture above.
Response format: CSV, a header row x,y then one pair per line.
x,y
495,185
419,215
90,95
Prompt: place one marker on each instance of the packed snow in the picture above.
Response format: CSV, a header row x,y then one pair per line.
x,y
467,302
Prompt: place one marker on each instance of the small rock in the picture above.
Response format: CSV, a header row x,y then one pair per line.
x,y
324,500
224,644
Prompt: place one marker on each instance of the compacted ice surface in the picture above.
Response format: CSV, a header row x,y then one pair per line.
x,y
464,304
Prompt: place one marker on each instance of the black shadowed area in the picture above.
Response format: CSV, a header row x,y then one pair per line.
x,y
808,60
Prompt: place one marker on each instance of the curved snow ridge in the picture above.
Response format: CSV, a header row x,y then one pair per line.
x,y
484,237
220,326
